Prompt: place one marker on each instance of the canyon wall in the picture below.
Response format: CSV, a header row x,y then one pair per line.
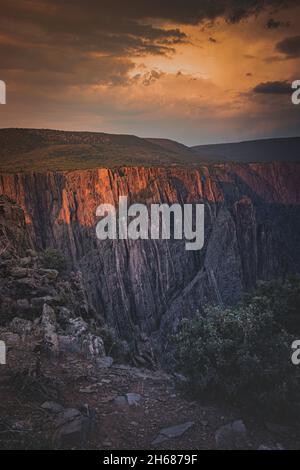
x,y
252,227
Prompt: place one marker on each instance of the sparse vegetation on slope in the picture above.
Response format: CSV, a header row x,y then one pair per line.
x,y
53,259
41,150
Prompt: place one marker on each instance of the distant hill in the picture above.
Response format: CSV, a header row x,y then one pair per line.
x,y
268,150
41,150
173,146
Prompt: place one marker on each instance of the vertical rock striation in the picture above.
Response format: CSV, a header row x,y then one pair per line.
x,y
252,225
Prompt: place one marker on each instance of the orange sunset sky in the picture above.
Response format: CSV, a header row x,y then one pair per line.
x,y
194,71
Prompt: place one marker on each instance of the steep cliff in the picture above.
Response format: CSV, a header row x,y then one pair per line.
x,y
252,224
14,235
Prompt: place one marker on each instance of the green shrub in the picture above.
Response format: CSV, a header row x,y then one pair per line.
x,y
122,173
283,299
241,354
53,259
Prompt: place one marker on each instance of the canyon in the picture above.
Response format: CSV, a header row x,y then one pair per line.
x,y
146,287
89,339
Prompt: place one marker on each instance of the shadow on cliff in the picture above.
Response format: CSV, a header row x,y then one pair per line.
x,y
153,284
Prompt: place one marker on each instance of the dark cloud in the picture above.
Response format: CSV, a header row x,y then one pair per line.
x,y
275,24
212,40
127,17
57,35
273,59
73,63
274,88
290,47
66,15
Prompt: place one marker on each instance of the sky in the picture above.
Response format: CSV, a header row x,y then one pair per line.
x,y
194,71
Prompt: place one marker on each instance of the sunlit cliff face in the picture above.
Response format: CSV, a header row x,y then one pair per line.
x,y
194,71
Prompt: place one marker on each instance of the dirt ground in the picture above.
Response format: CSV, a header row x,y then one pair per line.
x,y
73,382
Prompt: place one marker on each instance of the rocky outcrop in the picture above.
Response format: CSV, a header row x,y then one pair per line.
x,y
14,236
252,222
40,303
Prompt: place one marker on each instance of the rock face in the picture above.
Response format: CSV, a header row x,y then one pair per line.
x,y
252,223
14,236
43,304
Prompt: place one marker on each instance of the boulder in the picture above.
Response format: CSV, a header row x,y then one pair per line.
x,y
72,429
52,407
172,432
231,436
81,339
129,399
133,399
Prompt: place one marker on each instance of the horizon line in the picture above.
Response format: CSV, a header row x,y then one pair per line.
x,y
261,139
